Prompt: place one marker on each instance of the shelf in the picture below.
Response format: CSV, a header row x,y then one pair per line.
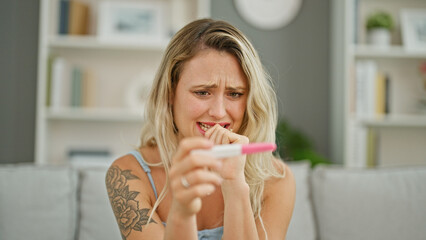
x,y
390,52
92,42
116,63
101,115
395,121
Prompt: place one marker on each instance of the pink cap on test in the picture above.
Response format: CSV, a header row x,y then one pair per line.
x,y
258,147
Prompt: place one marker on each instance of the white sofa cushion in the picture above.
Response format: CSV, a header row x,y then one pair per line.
x,y
97,221
378,204
302,225
37,202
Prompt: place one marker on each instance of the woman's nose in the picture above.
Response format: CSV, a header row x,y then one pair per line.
x,y
217,108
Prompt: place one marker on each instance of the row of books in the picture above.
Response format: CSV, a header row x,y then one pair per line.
x,y
73,17
371,99
372,90
364,142
69,85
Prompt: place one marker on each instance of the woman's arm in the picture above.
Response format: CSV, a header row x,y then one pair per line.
x,y
200,182
132,198
277,208
238,219
129,193
278,198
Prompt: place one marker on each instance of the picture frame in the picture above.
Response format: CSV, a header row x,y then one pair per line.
x,y
132,21
413,28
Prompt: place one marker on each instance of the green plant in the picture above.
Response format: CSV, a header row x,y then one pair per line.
x,y
380,19
293,145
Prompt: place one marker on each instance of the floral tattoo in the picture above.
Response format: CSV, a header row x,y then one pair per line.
x,y
123,203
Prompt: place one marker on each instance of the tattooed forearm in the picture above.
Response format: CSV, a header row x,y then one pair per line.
x,y
123,203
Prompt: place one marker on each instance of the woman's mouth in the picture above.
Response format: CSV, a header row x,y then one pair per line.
x,y
207,126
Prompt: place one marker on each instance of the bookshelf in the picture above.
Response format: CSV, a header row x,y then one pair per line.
x,y
393,138
119,71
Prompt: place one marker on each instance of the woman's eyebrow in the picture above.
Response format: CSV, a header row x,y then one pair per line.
x,y
211,85
215,85
235,88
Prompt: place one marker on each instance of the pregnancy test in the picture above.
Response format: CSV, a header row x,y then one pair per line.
x,y
231,150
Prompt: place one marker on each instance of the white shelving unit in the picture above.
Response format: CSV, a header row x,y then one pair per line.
x,y
367,51
92,42
395,139
112,124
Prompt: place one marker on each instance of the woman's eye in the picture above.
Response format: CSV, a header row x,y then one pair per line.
x,y
235,94
201,93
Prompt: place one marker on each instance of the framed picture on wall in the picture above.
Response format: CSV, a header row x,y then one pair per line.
x,y
413,24
132,21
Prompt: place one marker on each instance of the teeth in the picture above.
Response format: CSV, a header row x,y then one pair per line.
x,y
204,126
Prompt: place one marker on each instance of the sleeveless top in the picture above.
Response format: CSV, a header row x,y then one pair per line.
x,y
206,234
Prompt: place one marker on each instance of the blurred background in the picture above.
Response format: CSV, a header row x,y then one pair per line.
x,y
350,76
108,55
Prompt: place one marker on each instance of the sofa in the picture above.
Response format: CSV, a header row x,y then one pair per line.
x,y
332,203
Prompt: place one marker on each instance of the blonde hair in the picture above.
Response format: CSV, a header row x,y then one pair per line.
x,y
260,117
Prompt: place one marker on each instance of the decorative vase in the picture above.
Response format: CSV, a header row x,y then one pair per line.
x,y
379,37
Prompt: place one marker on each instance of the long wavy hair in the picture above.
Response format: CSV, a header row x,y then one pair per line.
x,y
260,118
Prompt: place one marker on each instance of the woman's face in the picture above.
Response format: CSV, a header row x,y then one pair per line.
x,y
212,89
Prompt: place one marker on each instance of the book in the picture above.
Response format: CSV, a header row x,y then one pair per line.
x,y
366,88
88,89
371,158
64,6
387,94
59,82
380,95
82,88
361,89
78,18
358,153
76,87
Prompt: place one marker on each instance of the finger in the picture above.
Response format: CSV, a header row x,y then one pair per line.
x,y
211,133
202,176
225,139
197,191
218,135
195,161
188,144
236,138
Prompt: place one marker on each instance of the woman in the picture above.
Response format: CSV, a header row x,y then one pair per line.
x,y
210,89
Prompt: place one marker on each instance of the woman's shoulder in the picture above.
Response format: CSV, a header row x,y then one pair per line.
x,y
127,172
127,162
128,169
284,183
130,160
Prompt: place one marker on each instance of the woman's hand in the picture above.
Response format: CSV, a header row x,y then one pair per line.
x,y
192,176
232,168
